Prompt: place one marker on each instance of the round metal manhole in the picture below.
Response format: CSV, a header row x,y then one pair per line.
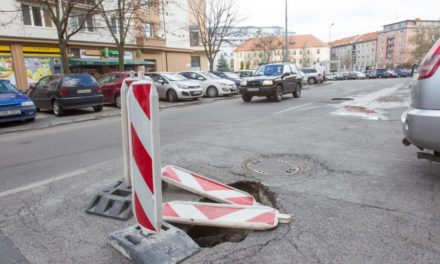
x,y
272,167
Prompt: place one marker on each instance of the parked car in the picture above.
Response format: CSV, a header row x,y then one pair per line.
x,y
67,91
273,81
229,76
356,75
392,74
370,74
244,73
330,76
382,73
14,105
211,84
421,122
313,75
303,77
173,86
402,73
339,76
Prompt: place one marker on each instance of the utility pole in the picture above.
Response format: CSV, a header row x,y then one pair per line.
x,y
286,51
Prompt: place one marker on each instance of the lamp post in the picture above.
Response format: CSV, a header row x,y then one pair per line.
x,y
286,46
330,32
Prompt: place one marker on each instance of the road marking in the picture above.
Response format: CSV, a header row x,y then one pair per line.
x,y
292,108
41,183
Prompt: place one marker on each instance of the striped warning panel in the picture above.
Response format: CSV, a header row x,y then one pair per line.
x,y
220,215
203,186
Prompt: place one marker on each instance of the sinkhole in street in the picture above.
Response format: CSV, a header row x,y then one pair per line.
x,y
208,236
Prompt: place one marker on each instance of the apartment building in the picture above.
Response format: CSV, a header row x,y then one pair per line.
x,y
354,53
396,42
304,51
29,44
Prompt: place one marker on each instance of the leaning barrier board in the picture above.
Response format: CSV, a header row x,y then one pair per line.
x,y
143,135
205,187
220,215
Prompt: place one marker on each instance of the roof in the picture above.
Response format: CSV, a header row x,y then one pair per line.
x,y
354,39
295,42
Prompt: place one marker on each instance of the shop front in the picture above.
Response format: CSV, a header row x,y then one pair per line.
x,y
6,67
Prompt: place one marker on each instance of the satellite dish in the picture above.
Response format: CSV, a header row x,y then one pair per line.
x,y
160,34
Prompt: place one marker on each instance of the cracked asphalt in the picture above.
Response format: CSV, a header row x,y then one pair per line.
x,y
362,196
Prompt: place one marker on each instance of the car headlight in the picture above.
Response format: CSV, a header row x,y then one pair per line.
x,y
27,103
243,83
181,86
268,82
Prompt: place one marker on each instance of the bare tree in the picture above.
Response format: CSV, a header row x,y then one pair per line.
x,y
61,12
268,46
214,19
424,38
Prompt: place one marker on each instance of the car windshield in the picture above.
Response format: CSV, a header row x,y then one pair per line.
x,y
79,80
7,87
270,70
232,75
174,77
209,75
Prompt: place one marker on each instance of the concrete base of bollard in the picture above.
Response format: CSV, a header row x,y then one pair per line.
x,y
170,245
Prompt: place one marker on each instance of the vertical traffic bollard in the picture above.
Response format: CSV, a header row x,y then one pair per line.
x,y
144,146
124,124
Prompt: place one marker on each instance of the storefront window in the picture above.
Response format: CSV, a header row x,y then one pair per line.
x,y
6,70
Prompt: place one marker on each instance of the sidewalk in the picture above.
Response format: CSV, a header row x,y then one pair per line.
x,y
47,119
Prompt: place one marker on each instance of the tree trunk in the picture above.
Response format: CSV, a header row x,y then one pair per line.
x,y
64,54
211,64
121,51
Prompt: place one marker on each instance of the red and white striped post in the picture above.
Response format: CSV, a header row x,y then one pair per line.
x,y
144,146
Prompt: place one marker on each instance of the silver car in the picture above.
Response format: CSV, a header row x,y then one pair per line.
x,y
421,122
173,86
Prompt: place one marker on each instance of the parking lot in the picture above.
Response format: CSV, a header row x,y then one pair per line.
x,y
355,193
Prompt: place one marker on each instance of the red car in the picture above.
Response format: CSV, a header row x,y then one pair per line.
x,y
111,87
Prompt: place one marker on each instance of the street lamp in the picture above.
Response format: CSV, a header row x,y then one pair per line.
x,y
330,32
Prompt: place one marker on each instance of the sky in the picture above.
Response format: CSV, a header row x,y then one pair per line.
x,y
351,17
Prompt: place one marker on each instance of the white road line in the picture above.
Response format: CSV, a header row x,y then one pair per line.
x,y
292,108
41,183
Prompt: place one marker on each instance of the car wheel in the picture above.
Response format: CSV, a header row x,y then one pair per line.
x,y
37,109
246,97
97,108
212,91
312,81
171,96
57,109
118,102
297,92
278,95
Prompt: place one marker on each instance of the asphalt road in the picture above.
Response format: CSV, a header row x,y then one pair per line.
x,y
362,197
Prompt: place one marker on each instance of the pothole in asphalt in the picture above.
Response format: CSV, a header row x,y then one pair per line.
x,y
342,99
208,236
272,167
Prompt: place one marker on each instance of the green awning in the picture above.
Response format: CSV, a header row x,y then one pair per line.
x,y
98,62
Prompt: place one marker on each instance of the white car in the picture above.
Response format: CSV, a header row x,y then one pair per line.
x,y
212,85
173,87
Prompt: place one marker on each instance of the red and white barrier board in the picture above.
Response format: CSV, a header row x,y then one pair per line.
x,y
208,188
221,215
144,146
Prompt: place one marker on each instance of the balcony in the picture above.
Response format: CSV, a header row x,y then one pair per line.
x,y
150,42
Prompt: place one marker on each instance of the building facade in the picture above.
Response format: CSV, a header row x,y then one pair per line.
x,y
29,47
304,51
396,42
354,53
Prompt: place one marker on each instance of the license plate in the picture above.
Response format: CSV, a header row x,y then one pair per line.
x,y
253,89
10,112
83,91
197,93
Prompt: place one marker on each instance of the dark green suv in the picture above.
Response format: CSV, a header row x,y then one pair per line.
x,y
272,81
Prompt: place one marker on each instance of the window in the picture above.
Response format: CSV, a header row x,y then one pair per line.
x,y
35,16
146,4
148,30
115,25
194,37
81,19
318,51
195,61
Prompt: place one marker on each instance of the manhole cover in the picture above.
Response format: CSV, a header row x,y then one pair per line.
x,y
276,167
